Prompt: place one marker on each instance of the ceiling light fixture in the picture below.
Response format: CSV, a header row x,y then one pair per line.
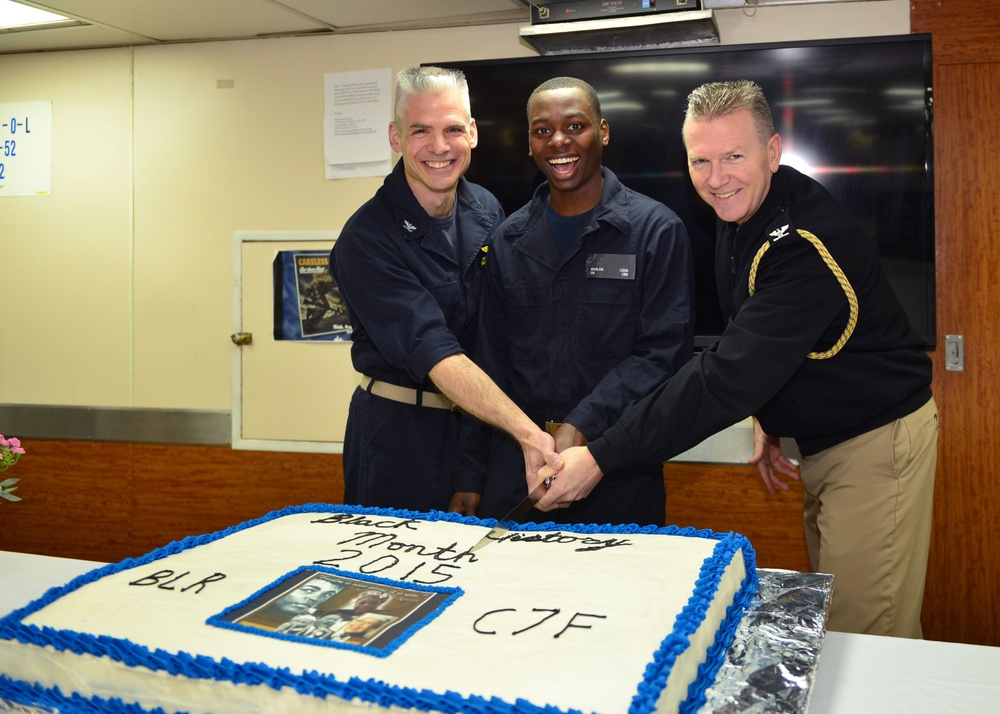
x,y
15,17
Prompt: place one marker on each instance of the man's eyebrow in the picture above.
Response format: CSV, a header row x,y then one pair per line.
x,y
545,119
450,125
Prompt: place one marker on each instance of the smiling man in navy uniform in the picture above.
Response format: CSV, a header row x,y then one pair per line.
x,y
409,264
588,306
817,349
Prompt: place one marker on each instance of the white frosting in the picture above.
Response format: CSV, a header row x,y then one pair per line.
x,y
604,606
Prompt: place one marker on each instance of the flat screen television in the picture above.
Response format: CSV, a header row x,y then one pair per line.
x,y
854,114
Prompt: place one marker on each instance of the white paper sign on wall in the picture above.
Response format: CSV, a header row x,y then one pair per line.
x,y
25,148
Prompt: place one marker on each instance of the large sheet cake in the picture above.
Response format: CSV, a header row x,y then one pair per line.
x,y
318,608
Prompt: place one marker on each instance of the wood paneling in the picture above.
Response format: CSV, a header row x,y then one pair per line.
x,y
103,501
216,487
964,571
961,595
733,498
963,31
106,502
76,501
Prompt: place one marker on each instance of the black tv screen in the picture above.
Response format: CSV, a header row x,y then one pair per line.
x,y
854,114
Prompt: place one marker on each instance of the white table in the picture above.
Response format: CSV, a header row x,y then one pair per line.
x,y
27,577
865,674
857,674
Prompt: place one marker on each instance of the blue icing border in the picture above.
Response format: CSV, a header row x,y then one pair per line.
x,y
219,621
315,684
716,657
53,699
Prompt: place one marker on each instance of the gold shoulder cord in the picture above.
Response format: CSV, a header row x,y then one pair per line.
x,y
852,299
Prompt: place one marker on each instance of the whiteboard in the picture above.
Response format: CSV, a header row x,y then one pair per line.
x,y
287,395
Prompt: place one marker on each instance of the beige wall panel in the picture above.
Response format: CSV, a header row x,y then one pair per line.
x,y
65,262
818,21
212,161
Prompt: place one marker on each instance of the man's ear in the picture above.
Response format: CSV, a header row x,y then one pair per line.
x,y
473,134
394,138
774,152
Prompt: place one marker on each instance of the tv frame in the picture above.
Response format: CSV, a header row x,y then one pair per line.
x,y
647,153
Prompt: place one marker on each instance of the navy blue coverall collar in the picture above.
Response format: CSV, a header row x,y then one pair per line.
x,y
413,220
545,252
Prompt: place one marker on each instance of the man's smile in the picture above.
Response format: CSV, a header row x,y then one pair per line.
x,y
563,164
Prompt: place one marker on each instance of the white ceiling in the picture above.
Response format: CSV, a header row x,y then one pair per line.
x,y
114,23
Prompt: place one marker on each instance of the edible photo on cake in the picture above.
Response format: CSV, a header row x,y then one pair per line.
x,y
320,606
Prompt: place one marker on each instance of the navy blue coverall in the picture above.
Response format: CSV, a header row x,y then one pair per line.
x,y
412,300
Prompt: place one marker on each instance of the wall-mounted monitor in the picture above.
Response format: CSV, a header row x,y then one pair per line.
x,y
854,114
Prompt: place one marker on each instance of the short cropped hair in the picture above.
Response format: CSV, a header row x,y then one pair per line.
x,y
718,99
429,80
570,83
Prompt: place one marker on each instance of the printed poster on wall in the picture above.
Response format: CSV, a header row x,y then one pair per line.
x,y
358,107
307,302
25,148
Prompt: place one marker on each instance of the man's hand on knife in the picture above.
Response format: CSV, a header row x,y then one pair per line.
x,y
575,480
539,455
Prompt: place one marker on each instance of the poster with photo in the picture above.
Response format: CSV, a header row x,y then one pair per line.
x,y
322,606
307,302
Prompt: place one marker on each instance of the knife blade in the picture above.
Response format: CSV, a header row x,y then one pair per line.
x,y
516,514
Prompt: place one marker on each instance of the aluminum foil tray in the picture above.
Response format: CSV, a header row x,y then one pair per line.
x,y
772,662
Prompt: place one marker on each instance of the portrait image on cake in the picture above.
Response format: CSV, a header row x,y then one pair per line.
x,y
321,606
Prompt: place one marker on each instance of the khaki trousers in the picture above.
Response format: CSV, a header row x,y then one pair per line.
x,y
867,517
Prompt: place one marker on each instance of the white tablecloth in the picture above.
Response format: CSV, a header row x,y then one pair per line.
x,y
857,674
865,674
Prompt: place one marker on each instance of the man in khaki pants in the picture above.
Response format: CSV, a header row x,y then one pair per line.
x,y
868,520
818,349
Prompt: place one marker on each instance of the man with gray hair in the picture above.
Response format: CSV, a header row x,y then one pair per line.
x,y
409,264
818,349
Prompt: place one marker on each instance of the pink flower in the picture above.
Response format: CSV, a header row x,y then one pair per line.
x,y
10,451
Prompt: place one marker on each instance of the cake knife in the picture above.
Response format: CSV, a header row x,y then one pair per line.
x,y
516,514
